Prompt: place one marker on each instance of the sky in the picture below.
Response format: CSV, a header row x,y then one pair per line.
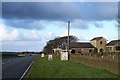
x,y
28,26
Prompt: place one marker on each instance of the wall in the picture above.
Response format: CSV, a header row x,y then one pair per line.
x,y
98,45
113,49
94,43
106,63
101,46
83,50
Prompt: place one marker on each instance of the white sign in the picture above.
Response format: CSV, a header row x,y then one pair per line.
x,y
42,55
50,57
64,55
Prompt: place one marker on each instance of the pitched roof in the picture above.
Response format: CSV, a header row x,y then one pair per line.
x,y
80,45
96,38
113,42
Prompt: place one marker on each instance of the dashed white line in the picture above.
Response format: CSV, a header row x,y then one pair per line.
x,y
6,62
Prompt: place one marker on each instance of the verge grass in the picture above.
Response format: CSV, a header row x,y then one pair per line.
x,y
65,69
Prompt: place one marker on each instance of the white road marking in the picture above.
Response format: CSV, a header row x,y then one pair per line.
x,y
27,70
6,62
9,61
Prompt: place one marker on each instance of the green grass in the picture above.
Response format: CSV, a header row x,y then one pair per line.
x,y
5,56
65,69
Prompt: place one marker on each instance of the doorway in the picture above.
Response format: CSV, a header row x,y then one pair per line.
x,y
101,50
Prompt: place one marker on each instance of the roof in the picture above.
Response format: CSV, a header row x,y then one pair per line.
x,y
96,38
113,42
80,45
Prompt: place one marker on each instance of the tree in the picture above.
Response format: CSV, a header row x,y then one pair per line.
x,y
57,42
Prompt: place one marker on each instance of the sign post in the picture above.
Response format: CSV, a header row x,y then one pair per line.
x,y
50,58
42,55
64,55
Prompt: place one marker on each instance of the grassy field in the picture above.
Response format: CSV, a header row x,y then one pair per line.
x,y
65,69
5,56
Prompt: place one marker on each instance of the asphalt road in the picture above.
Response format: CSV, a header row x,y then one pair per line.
x,y
15,67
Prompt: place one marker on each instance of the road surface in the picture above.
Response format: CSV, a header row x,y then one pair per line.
x,y
16,67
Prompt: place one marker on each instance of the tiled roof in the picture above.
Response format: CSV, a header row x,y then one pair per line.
x,y
113,42
80,45
96,38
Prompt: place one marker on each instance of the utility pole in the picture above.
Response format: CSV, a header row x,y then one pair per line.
x,y
68,41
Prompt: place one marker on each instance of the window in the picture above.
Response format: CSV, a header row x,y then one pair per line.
x,y
100,42
101,50
90,51
110,48
73,51
117,47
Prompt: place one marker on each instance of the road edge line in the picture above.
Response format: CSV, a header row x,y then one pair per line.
x,y
26,70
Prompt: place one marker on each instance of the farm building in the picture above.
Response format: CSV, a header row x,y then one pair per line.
x,y
77,47
81,47
113,46
99,43
57,50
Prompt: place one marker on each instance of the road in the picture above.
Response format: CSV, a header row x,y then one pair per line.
x,y
16,67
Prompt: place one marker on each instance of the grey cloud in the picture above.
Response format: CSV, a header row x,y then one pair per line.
x,y
79,24
60,11
25,24
98,24
28,15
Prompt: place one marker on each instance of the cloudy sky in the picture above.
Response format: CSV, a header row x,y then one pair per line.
x,y
27,26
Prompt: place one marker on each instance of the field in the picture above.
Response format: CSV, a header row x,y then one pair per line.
x,y
65,69
5,56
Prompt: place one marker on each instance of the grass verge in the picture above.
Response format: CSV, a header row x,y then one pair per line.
x,y
65,69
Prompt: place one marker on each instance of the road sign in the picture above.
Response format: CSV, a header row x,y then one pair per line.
x,y
50,57
64,55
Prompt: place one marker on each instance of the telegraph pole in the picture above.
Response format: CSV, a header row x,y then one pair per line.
x,y
68,40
